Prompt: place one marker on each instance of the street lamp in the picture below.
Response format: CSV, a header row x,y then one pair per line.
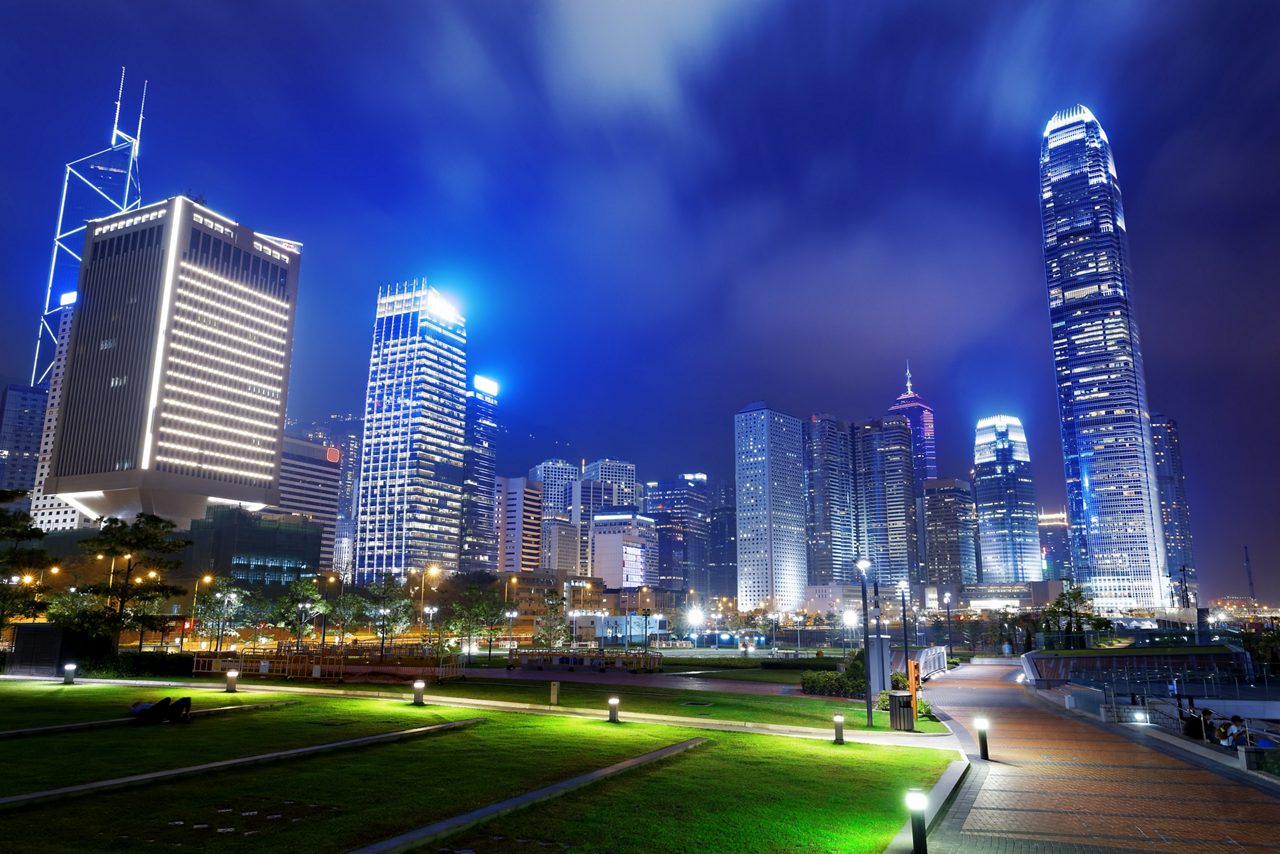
x,y
511,636
906,643
864,565
694,619
207,579
850,619
946,601
646,613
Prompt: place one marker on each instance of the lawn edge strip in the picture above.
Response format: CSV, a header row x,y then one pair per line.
x,y
79,725
223,764
449,826
940,798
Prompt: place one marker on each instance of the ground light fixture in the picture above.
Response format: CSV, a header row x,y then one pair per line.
x,y
917,804
418,688
232,676
838,720
68,674
613,710
982,725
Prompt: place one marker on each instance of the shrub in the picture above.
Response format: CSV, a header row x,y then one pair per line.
x,y
128,664
826,683
898,680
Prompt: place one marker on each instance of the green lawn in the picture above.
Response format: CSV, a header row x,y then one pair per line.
x,y
780,677
32,704
782,788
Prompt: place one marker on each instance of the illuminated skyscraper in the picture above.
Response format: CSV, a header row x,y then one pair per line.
x,y
1055,547
583,499
1175,512
828,474
479,551
409,513
1008,522
722,542
884,499
519,524
1112,495
952,526
679,511
21,422
624,549
772,553
311,486
924,453
621,474
555,475
177,369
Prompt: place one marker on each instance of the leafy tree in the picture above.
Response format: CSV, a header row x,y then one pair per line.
x,y
552,631
347,611
140,551
297,609
19,600
21,565
389,610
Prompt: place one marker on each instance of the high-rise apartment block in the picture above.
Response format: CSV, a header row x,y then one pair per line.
x,y
177,369
1008,522
884,499
828,478
1113,498
951,529
519,524
769,468
21,423
479,548
722,543
583,500
409,512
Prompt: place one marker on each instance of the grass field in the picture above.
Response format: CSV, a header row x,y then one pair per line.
x,y
788,794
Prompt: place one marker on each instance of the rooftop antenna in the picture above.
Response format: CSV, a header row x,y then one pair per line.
x,y
1248,572
908,376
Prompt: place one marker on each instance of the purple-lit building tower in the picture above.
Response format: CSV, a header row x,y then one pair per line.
x,y
924,452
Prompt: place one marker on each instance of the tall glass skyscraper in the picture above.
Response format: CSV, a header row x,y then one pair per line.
x,y
769,466
828,480
951,524
1175,512
885,499
1008,521
679,511
479,552
1112,497
924,448
411,468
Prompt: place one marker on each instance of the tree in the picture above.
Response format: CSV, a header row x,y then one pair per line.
x,y
552,631
347,610
139,550
389,609
21,565
301,603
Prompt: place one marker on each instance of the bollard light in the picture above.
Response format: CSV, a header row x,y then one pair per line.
x,y
613,710
232,676
68,674
917,804
839,722
982,725
418,688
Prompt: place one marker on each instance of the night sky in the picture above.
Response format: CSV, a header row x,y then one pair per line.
x,y
654,213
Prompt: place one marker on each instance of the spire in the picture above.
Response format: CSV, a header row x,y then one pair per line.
x,y
908,376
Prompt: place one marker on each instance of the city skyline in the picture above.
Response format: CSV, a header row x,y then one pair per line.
x,y
954,365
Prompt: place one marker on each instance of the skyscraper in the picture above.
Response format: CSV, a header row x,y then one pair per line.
x,y
769,467
828,474
555,475
49,512
951,526
679,511
179,400
1175,512
583,500
479,550
519,524
311,485
1112,495
722,543
1055,547
409,513
624,549
21,422
924,453
621,474
884,499
1008,522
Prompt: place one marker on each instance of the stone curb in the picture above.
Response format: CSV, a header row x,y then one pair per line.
x,y
81,725
939,799
155,776
450,826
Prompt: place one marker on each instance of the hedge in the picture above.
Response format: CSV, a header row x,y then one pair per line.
x,y
827,683
127,664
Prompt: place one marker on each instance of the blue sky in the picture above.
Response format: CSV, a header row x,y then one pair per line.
x,y
654,213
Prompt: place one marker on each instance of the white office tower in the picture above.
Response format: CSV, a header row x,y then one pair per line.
x,y
769,462
177,368
624,549
519,522
620,474
49,512
554,475
409,506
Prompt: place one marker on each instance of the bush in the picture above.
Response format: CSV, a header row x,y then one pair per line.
x,y
797,663
826,683
128,664
923,709
898,681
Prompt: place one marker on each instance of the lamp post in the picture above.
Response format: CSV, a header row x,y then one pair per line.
x,y
382,633
511,635
646,613
917,805
946,601
849,619
863,566
207,579
694,619
906,643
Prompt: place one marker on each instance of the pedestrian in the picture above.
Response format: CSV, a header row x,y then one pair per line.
x,y
1199,726
1232,733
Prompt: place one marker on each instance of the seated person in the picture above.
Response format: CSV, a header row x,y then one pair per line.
x,y
163,710
1232,733
1199,726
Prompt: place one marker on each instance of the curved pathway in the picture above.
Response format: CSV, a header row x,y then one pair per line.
x,y
1059,783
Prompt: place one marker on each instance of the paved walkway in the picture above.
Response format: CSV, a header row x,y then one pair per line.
x,y
634,680
1058,783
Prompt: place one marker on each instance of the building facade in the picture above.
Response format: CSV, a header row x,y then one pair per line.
x,y
1055,547
254,548
1112,492
1008,521
49,512
951,529
622,475
828,481
624,549
769,469
924,444
1175,511
679,510
409,512
519,524
177,370
722,543
885,529
311,486
479,548
554,475
21,424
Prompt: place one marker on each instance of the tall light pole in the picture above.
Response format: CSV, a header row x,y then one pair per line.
x,y
906,643
693,619
863,566
946,601
207,579
511,635
849,619
646,612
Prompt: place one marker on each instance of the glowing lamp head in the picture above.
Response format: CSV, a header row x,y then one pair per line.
x,y
69,668
613,701
917,801
981,724
233,673
419,685
864,564
850,618
838,719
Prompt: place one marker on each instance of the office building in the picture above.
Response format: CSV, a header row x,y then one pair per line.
x,y
311,486
1175,512
49,512
884,499
519,523
924,453
479,548
951,528
679,510
555,475
1055,547
1113,502
253,548
722,543
828,480
1008,522
561,549
624,549
583,499
21,422
178,399
409,512
621,474
769,469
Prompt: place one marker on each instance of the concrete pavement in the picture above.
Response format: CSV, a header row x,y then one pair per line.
x,y
1059,783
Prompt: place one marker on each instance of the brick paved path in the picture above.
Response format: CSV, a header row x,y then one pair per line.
x,y
1057,783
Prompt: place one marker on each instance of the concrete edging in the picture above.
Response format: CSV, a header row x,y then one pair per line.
x,y
155,776
939,799
450,826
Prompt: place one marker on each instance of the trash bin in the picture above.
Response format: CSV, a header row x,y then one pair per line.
x,y
901,715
